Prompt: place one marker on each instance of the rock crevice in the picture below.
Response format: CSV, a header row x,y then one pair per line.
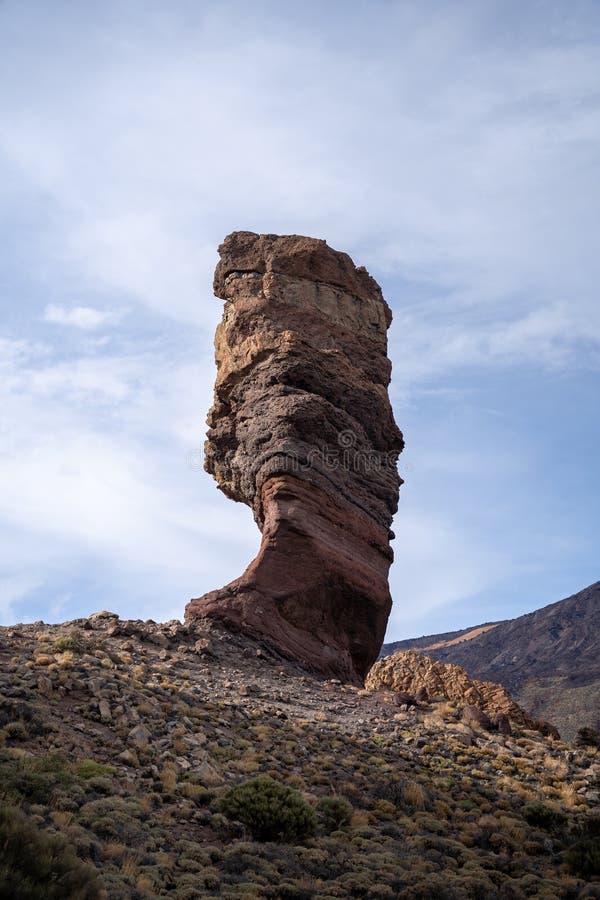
x,y
302,431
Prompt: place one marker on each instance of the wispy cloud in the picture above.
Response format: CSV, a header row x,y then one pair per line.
x,y
95,467
455,154
84,317
464,164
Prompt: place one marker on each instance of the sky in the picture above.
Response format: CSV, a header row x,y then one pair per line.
x,y
453,148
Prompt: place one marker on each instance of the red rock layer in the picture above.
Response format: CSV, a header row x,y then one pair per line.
x,y
302,431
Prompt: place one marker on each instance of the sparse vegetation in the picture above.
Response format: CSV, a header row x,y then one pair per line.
x,y
72,642
148,782
39,866
542,816
270,810
334,812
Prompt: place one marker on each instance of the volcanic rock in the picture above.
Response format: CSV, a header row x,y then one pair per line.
x,y
302,431
409,671
548,659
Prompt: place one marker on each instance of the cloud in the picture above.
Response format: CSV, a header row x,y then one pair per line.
x,y
438,340
455,154
95,482
461,162
84,317
14,588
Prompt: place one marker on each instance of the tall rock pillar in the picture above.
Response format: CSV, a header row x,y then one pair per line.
x,y
302,431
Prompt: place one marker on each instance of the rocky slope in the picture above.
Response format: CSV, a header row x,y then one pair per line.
x,y
122,740
548,659
302,431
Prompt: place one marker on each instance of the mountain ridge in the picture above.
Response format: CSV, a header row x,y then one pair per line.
x,y
549,659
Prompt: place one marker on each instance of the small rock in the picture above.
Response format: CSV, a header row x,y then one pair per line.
x,y
139,736
198,739
104,708
207,772
44,684
128,757
158,638
247,690
463,738
203,647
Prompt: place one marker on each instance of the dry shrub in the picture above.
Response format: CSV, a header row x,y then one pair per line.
x,y
414,795
168,778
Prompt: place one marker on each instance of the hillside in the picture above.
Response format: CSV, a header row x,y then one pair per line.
x,y
121,742
549,659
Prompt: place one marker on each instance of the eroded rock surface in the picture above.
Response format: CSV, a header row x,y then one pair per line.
x,y
548,659
302,431
410,671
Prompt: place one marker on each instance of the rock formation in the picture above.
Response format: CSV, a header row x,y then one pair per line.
x,y
548,659
302,431
409,671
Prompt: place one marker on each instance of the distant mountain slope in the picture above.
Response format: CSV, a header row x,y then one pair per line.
x,y
549,659
437,641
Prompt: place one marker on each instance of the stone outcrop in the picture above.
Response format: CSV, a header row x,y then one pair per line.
x,y
548,659
409,671
302,431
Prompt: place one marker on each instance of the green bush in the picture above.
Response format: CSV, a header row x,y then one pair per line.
x,y
73,641
270,810
38,866
21,719
583,858
16,731
89,768
34,778
114,819
334,812
541,816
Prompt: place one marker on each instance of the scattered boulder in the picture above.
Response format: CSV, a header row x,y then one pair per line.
x,y
403,698
502,723
139,736
546,729
473,715
103,615
128,758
